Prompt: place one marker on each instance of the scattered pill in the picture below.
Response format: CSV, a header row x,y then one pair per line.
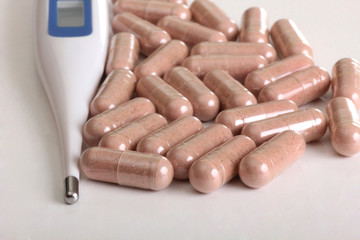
x,y
118,88
127,137
204,102
311,123
186,153
168,101
236,118
258,79
149,35
288,39
237,66
235,48
301,87
163,59
96,127
127,168
254,26
161,141
189,32
346,80
344,126
230,92
123,52
208,14
152,11
220,165
269,160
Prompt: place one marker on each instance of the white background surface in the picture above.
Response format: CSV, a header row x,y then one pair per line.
x,y
316,198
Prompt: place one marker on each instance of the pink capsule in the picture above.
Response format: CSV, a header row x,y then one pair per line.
x,y
254,26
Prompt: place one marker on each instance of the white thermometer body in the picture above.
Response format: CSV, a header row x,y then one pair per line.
x,y
71,47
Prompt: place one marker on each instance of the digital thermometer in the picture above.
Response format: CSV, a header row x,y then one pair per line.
x,y
71,46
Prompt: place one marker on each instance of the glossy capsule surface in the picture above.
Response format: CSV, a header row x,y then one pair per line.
x,y
163,59
207,13
346,80
344,126
152,11
167,100
269,160
230,92
161,141
236,118
118,88
98,126
237,66
258,79
288,39
183,155
204,102
149,35
219,166
189,32
123,52
235,48
127,137
254,26
127,168
311,123
301,87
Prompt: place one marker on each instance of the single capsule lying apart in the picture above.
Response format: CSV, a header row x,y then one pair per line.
x,y
150,36
152,11
344,126
258,79
311,123
127,137
189,32
288,39
127,168
301,87
96,127
346,80
167,100
123,52
161,141
254,26
266,162
208,14
235,48
236,118
163,59
237,66
230,92
204,102
118,88
220,165
183,155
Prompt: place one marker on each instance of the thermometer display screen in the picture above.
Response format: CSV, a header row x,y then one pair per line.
x,y
70,13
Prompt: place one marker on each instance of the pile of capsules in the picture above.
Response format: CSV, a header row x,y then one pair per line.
x,y
196,68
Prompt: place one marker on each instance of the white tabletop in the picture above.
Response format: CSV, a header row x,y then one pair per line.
x,y
318,197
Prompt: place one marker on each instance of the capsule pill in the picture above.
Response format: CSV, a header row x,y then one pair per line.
x,y
204,102
161,141
311,123
167,100
254,26
183,155
163,59
236,118
269,160
219,166
127,168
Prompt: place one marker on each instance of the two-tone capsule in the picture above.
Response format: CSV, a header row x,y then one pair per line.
x,y
254,26
127,168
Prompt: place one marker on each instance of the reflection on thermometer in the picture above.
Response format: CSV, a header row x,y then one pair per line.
x,y
71,45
